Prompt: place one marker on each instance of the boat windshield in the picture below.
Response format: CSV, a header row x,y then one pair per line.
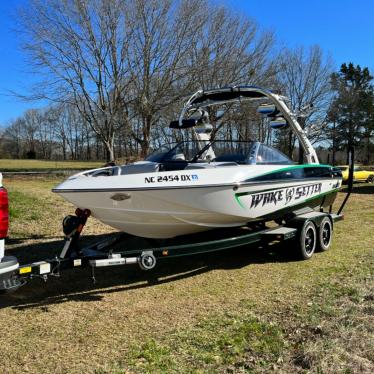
x,y
240,152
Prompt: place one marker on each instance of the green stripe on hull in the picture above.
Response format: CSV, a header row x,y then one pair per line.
x,y
293,167
238,201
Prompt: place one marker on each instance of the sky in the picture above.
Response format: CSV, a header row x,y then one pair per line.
x,y
343,28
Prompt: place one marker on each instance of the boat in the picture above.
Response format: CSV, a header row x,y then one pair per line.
x,y
208,182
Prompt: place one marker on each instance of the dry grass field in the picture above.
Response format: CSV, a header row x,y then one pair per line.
x,y
14,165
241,311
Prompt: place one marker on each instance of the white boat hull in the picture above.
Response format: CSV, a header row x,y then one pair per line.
x,y
168,209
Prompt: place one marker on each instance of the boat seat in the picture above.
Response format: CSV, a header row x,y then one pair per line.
x,y
238,158
104,172
140,167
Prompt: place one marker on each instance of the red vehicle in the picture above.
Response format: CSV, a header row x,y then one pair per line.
x,y
4,216
8,264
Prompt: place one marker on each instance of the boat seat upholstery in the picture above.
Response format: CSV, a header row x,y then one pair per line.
x,y
104,172
140,167
238,158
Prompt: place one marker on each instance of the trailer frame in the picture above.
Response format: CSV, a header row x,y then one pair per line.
x,y
147,253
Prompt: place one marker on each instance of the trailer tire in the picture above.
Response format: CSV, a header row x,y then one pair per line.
x,y
325,232
307,240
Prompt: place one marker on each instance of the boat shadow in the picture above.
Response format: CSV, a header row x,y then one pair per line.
x,y
77,284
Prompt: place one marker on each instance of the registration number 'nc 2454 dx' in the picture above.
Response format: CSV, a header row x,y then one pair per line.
x,y
172,178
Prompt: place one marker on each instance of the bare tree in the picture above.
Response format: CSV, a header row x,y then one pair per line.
x,y
304,77
13,138
230,50
38,133
122,62
79,48
195,45
161,32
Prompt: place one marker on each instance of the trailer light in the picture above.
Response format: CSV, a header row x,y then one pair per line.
x,y
43,267
25,270
165,252
4,214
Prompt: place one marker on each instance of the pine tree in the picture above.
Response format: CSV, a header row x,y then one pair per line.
x,y
352,110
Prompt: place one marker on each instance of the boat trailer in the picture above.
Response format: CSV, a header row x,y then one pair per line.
x,y
310,230
306,231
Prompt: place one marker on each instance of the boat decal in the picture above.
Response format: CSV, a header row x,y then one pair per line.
x,y
301,203
281,196
172,178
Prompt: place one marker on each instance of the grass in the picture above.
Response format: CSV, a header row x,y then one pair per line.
x,y
25,207
17,165
216,341
242,311
37,212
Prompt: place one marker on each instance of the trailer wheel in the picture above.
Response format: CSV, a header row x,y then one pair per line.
x,y
308,240
325,232
147,261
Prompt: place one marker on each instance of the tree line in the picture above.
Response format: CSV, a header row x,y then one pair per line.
x,y
117,71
